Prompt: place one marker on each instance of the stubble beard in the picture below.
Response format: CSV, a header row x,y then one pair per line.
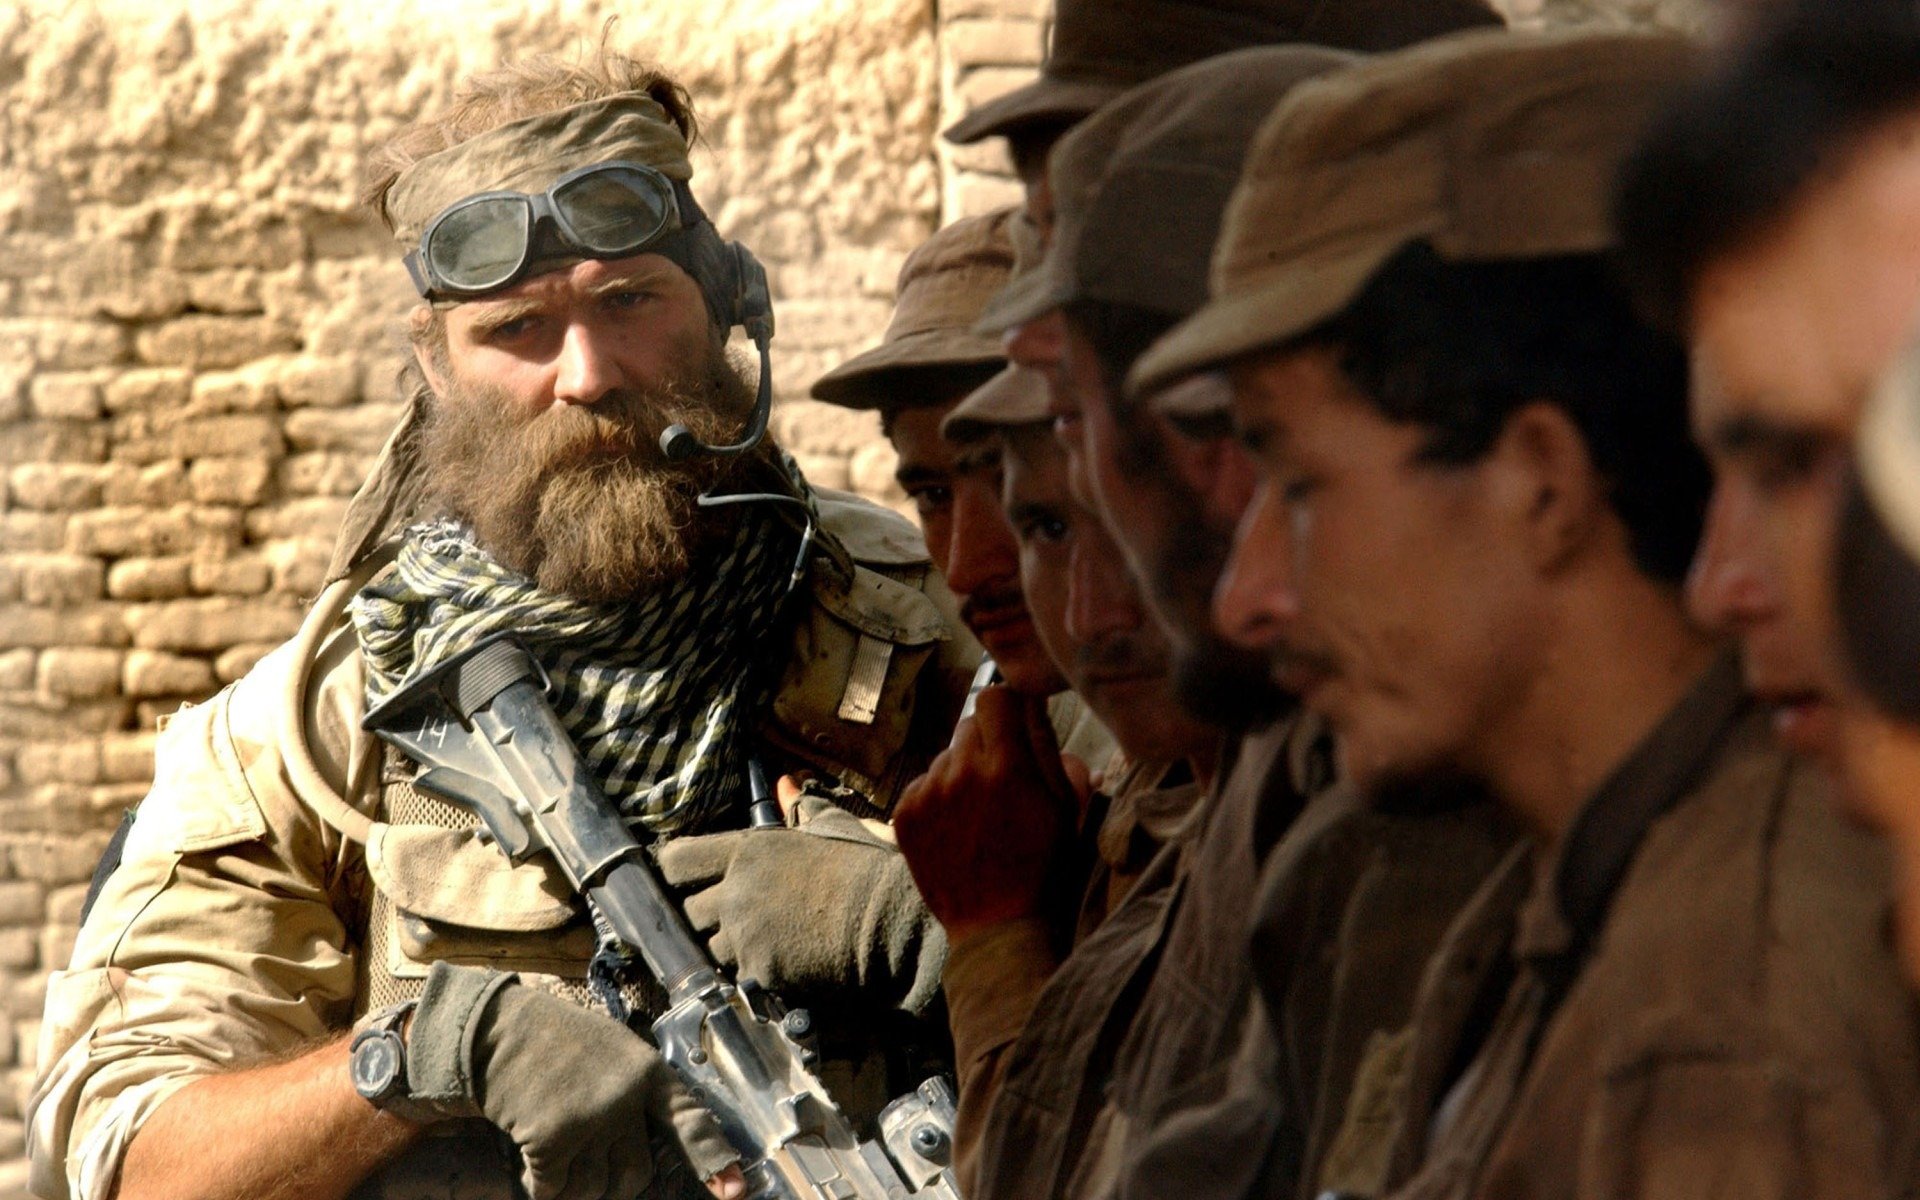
x,y
580,498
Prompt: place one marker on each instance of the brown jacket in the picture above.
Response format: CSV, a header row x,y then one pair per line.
x,y
1698,1000
1152,999
1349,912
994,980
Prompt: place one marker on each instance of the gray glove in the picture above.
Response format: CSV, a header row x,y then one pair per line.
x,y
826,908
577,1091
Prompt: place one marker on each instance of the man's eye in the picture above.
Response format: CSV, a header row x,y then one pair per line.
x,y
930,499
1298,489
627,299
1789,465
510,330
1043,529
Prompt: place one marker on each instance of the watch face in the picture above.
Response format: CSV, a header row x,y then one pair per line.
x,y
376,1064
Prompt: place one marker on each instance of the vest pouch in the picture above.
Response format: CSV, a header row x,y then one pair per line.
x,y
845,701
450,897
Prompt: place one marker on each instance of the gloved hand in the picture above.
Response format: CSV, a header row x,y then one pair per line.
x,y
576,1091
827,907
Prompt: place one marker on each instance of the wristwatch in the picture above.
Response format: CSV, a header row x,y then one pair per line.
x,y
377,1058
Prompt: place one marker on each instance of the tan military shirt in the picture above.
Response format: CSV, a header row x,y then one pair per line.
x,y
234,931
1699,1000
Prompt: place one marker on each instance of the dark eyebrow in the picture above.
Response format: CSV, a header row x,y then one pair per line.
x,y
909,475
498,313
1750,433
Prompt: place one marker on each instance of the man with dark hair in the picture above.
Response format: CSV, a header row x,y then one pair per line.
x,y
1477,494
308,978
1026,823
1770,215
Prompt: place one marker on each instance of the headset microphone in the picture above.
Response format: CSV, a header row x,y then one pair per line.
x,y
752,309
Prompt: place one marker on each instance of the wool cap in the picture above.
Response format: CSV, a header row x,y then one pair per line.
x,y
942,288
1100,48
1487,146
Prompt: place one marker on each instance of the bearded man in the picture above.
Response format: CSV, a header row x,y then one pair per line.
x,y
583,467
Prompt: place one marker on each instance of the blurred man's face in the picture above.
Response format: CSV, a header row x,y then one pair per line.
x,y
1788,335
1087,610
1171,498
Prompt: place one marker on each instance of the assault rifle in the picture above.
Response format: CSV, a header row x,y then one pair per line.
x,y
482,728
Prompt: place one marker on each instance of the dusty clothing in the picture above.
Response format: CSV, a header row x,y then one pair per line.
x,y
1699,1000
994,979
1152,997
263,890
1350,910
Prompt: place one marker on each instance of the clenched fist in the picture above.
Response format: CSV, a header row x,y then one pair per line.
x,y
988,829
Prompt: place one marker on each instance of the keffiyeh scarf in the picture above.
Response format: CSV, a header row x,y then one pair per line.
x,y
656,692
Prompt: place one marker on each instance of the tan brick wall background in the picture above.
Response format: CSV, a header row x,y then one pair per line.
x,y
197,323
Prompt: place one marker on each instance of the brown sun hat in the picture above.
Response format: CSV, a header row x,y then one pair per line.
x,y
1140,186
1485,145
942,288
1101,48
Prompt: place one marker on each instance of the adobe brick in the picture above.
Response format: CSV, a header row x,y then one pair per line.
x,y
363,427
146,388
234,481
61,580
236,661
127,757
159,673
56,487
65,396
76,761
149,578
234,575
78,673
318,382
209,624
202,340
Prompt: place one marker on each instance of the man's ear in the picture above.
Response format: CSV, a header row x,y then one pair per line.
x,y
423,337
1558,499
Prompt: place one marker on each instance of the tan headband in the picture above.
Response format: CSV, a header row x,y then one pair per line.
x,y
528,155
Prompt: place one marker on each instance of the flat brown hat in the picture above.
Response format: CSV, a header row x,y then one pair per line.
x,y
943,286
1101,48
1016,396
1485,145
1140,186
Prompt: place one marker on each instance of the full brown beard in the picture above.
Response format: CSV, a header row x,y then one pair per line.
x,y
579,498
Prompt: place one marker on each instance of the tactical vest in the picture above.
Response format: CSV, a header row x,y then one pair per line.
x,y
872,680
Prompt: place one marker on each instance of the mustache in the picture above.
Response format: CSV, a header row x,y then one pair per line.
x,y
979,605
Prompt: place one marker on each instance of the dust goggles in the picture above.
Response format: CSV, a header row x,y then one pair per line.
x,y
492,239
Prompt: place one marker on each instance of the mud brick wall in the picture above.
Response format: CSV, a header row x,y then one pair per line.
x,y
198,324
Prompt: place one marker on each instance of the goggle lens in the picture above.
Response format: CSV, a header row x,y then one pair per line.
x,y
613,210
607,210
481,245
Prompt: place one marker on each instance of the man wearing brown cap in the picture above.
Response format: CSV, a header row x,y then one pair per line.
x,y
1123,267
992,827
306,977
928,360
1477,500
1100,48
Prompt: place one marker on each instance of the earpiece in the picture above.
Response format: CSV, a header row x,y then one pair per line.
x,y
750,306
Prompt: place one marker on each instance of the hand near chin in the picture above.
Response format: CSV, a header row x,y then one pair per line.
x,y
988,828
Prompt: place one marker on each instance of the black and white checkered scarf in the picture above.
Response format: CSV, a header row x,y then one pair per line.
x,y
656,692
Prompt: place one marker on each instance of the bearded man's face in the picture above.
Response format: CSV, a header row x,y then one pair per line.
x,y
579,497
